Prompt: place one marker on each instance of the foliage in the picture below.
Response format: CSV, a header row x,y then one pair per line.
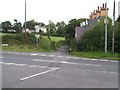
x,y
17,26
70,28
96,54
21,41
30,24
60,28
93,40
6,25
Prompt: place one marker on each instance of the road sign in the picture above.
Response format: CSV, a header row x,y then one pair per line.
x,y
37,36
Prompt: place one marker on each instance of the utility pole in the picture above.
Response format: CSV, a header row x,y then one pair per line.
x,y
113,27
25,16
106,22
49,30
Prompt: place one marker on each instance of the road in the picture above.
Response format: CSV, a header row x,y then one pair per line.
x,y
56,70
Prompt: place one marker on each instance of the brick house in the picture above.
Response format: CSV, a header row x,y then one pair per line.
x,y
95,16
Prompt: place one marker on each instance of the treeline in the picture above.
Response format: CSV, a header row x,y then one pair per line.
x,y
52,28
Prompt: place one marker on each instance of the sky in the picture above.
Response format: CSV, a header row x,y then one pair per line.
x,y
55,10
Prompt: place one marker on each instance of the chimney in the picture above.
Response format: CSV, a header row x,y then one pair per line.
x,y
91,13
98,8
96,11
103,5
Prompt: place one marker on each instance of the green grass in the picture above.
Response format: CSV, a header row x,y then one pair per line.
x,y
55,39
24,49
1,34
97,55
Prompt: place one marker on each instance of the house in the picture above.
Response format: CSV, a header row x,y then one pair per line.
x,y
87,25
42,28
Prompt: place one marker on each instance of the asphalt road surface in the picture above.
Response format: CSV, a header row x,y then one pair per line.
x,y
56,70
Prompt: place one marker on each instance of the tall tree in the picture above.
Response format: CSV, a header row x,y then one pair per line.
x,y
17,26
51,29
6,25
60,28
30,24
70,28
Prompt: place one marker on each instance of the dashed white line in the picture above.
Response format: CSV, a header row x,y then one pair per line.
x,y
113,61
85,58
9,63
99,71
68,57
94,59
103,60
37,74
76,58
64,62
60,56
51,55
33,54
42,55
2,57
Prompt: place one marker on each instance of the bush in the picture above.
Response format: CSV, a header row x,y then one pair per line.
x,y
93,40
28,41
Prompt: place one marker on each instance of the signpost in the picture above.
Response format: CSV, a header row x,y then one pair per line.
x,y
37,41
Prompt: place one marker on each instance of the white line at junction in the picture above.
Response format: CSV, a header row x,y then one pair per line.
x,y
38,74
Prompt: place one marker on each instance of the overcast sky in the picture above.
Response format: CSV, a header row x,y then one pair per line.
x,y
55,10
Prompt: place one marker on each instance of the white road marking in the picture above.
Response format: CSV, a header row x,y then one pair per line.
x,y
68,57
103,60
21,65
85,58
34,54
38,74
43,55
76,58
2,57
100,71
9,63
51,55
44,60
25,54
113,61
16,53
113,73
64,62
1,62
94,59
59,56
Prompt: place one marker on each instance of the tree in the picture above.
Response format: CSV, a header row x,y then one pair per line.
x,y
70,28
94,40
51,29
6,25
60,28
30,24
17,26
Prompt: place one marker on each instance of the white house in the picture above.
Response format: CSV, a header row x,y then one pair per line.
x,y
42,28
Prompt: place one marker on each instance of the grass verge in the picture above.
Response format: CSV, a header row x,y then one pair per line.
x,y
55,39
97,55
24,49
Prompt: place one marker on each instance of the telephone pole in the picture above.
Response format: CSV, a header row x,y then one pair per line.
x,y
106,22
113,27
25,16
